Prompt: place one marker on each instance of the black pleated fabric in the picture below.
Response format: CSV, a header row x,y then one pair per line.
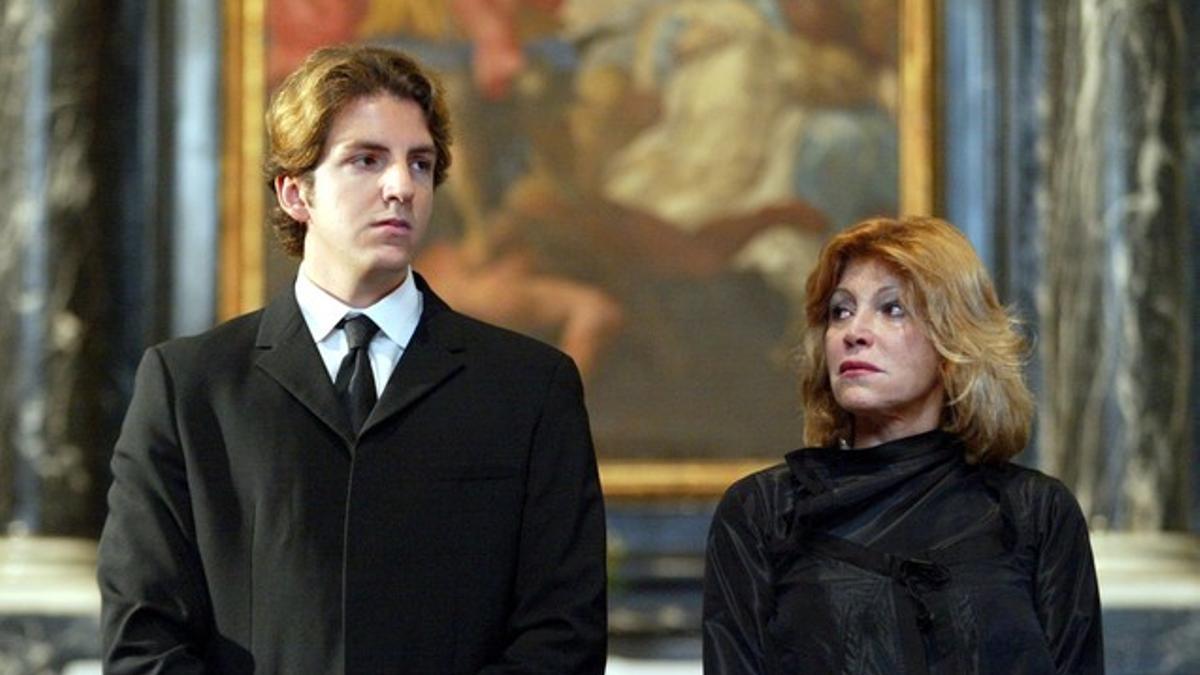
x,y
899,559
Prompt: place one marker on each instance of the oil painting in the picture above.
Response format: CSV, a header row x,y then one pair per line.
x,y
644,184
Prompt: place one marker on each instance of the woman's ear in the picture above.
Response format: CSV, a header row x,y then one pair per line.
x,y
290,193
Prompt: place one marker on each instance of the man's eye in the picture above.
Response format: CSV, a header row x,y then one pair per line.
x,y
366,161
422,165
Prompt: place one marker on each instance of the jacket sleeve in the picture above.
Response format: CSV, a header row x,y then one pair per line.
x,y
559,619
154,600
738,597
1068,600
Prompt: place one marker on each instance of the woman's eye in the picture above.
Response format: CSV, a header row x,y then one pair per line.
x,y
893,309
837,312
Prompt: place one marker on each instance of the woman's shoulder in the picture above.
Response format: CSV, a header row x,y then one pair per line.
x,y
1028,484
1041,501
757,494
769,478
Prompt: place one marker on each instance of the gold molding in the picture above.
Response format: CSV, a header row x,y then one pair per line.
x,y
645,480
242,270
919,115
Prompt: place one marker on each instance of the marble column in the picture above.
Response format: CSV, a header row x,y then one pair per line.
x,y
101,196
1114,296
48,232
1191,26
50,480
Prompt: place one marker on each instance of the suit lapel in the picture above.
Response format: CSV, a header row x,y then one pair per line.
x,y
433,355
289,356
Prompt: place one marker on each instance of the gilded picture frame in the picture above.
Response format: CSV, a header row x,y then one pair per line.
x,y
245,245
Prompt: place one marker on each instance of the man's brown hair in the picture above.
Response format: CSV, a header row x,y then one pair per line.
x,y
302,111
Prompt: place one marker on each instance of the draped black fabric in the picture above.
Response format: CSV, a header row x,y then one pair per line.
x,y
901,558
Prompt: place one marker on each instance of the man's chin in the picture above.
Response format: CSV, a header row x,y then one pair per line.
x,y
390,262
396,271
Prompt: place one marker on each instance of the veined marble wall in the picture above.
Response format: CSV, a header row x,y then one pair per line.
x,y
1191,26
107,176
1114,296
109,137
48,230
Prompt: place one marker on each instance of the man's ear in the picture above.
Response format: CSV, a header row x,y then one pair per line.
x,y
290,193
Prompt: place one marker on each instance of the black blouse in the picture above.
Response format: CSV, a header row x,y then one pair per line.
x,y
902,558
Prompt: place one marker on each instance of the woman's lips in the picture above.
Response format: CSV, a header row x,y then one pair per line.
x,y
856,368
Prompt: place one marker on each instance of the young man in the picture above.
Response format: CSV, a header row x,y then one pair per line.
x,y
305,490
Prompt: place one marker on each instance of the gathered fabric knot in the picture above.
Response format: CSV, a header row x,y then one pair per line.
x,y
831,487
919,577
916,579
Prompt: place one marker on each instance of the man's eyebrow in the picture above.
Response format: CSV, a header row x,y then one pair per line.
x,y
356,145
375,146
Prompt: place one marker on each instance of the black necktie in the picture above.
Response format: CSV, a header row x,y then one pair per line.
x,y
355,384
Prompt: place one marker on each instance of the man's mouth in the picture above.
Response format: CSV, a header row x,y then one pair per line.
x,y
394,224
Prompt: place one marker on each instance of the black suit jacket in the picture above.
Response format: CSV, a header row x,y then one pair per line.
x,y
249,530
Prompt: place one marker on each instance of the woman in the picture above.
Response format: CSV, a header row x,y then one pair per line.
x,y
903,541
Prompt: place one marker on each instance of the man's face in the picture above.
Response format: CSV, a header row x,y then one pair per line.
x,y
368,203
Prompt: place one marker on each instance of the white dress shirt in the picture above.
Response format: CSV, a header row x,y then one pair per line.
x,y
396,314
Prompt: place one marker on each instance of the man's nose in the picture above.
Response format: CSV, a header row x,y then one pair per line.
x,y
397,183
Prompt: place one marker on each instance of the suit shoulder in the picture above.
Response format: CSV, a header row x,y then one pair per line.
x,y
236,335
492,339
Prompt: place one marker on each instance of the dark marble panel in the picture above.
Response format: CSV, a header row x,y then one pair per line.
x,y
1113,297
1190,12
77,262
46,645
1152,642
1137,642
656,563
972,117
47,125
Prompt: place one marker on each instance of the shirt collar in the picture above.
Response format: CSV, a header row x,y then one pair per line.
x,y
396,313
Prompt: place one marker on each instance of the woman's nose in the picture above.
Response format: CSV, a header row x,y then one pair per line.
x,y
857,332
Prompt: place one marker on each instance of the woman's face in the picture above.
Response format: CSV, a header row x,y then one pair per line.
x,y
883,368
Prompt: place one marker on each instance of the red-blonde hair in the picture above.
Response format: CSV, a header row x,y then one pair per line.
x,y
948,290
